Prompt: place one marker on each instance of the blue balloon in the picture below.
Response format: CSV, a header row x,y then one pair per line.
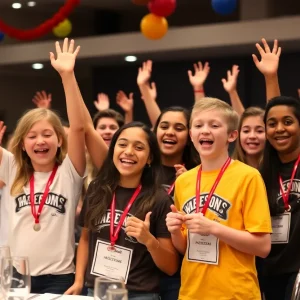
x,y
224,7
1,36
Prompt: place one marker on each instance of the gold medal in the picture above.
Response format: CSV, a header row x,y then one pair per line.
x,y
37,227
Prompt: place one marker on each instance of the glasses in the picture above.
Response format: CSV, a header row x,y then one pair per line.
x,y
15,277
117,294
102,285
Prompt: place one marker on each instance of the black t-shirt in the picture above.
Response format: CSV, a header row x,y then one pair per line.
x,y
168,177
285,258
144,275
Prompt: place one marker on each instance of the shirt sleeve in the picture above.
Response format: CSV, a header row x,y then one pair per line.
x,y
158,217
7,166
256,211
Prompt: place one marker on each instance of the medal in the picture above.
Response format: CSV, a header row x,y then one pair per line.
x,y
37,227
36,214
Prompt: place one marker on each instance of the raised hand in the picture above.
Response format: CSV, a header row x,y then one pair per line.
x,y
126,103
152,91
102,102
174,220
231,82
268,65
197,80
144,73
65,57
2,131
42,99
139,229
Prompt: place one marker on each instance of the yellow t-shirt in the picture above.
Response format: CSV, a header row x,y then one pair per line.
x,y
240,202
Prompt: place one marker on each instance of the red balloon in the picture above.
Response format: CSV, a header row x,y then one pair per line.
x,y
162,8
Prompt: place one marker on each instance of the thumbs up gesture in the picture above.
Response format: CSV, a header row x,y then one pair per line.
x,y
174,220
139,229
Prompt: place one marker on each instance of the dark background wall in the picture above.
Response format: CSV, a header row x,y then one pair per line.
x,y
174,88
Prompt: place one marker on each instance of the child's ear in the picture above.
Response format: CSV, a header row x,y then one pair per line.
x,y
59,142
232,136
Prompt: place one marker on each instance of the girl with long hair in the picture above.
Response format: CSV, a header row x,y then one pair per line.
x,y
124,212
45,179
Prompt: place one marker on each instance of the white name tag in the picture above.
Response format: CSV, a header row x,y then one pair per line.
x,y
281,228
203,249
114,264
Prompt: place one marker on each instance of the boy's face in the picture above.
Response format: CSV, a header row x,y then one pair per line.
x,y
209,133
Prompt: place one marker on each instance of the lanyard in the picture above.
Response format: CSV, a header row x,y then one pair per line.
x,y
114,232
204,209
171,188
36,215
285,196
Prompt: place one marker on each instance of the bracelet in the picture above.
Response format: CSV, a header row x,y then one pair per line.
x,y
199,91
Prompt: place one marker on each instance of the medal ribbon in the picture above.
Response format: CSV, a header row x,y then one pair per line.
x,y
36,215
114,232
285,196
206,204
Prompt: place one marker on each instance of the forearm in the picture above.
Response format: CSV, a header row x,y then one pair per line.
x,y
272,87
165,259
73,101
82,259
199,93
128,116
236,102
152,107
258,244
179,241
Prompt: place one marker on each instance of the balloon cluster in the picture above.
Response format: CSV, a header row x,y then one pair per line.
x,y
59,24
155,25
224,7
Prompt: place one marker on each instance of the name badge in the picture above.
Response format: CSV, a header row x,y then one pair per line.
x,y
281,228
112,263
203,248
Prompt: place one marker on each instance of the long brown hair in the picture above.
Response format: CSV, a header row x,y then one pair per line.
x,y
22,160
239,152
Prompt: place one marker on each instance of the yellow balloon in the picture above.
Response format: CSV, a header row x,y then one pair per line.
x,y
63,29
154,27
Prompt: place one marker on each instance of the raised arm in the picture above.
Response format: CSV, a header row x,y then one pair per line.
x,y
64,64
148,92
229,85
198,79
268,66
126,103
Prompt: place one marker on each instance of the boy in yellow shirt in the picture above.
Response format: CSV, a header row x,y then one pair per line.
x,y
221,217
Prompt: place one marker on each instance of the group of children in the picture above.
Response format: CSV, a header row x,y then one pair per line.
x,y
152,215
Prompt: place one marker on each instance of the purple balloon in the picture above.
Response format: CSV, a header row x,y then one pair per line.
x,y
224,7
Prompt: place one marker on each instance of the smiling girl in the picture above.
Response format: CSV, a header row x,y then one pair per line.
x,y
251,139
281,174
124,211
45,181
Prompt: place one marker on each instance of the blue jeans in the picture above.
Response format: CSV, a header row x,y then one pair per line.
x,y
132,295
278,287
54,284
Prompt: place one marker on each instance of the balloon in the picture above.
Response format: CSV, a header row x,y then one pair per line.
x,y
140,2
162,8
224,7
154,27
63,29
1,36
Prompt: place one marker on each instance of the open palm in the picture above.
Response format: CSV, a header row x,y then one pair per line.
x,y
65,57
144,73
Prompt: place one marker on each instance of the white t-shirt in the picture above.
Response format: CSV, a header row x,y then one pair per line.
x,y
4,216
50,250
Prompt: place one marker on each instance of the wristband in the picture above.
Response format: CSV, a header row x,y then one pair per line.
x,y
198,91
